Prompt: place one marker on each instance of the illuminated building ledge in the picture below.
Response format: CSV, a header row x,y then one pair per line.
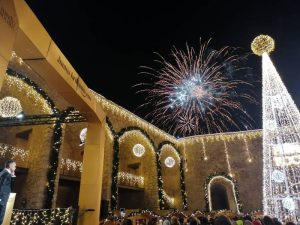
x,y
128,179
112,108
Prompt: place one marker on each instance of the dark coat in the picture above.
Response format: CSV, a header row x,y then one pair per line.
x,y
6,182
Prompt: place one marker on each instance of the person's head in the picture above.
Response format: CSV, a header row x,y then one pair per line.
x,y
11,165
267,220
248,217
290,223
222,220
128,222
192,221
174,220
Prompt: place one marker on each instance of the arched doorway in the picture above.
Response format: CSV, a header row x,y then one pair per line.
x,y
219,197
221,193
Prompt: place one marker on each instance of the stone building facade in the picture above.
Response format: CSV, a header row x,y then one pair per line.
x,y
228,164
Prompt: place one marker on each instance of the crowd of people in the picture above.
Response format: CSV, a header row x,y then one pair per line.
x,y
197,220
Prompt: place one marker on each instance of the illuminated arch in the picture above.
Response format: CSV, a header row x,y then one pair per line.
x,y
116,154
174,148
30,87
228,179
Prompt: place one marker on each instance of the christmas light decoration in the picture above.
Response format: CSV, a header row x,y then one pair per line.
x,y
130,179
247,149
71,164
10,107
204,149
227,178
112,109
281,140
82,136
262,44
13,151
278,176
170,201
227,158
170,162
42,216
138,150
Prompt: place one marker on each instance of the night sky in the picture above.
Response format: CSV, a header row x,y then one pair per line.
x,y
108,44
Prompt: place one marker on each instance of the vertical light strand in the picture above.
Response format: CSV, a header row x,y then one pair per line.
x,y
204,149
247,149
184,158
227,158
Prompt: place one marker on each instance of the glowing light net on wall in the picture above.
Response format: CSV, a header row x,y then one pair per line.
x,y
281,142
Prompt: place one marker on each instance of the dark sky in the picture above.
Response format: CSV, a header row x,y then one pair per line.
x,y
108,41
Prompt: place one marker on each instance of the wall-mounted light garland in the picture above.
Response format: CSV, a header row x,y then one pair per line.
x,y
14,151
169,200
233,182
227,158
247,149
229,136
203,149
63,216
130,179
71,164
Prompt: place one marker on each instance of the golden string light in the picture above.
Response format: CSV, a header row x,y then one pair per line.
x,y
204,149
42,216
227,158
71,164
115,110
28,95
130,179
170,200
13,151
247,149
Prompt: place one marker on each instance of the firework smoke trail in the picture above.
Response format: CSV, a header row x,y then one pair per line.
x,y
195,94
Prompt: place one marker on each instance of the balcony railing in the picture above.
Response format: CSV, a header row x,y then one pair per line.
x,y
129,179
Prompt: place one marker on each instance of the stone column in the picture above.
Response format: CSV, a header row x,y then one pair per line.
x,y
8,27
39,147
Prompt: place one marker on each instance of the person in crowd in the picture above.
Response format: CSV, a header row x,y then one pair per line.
x,y
276,221
152,221
127,221
222,220
192,221
7,177
256,221
247,222
166,221
290,223
174,221
267,220
248,217
181,220
239,221
203,220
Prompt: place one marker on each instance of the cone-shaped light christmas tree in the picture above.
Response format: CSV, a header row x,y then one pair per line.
x,y
281,139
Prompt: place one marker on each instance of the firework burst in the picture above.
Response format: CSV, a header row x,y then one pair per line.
x,y
195,93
